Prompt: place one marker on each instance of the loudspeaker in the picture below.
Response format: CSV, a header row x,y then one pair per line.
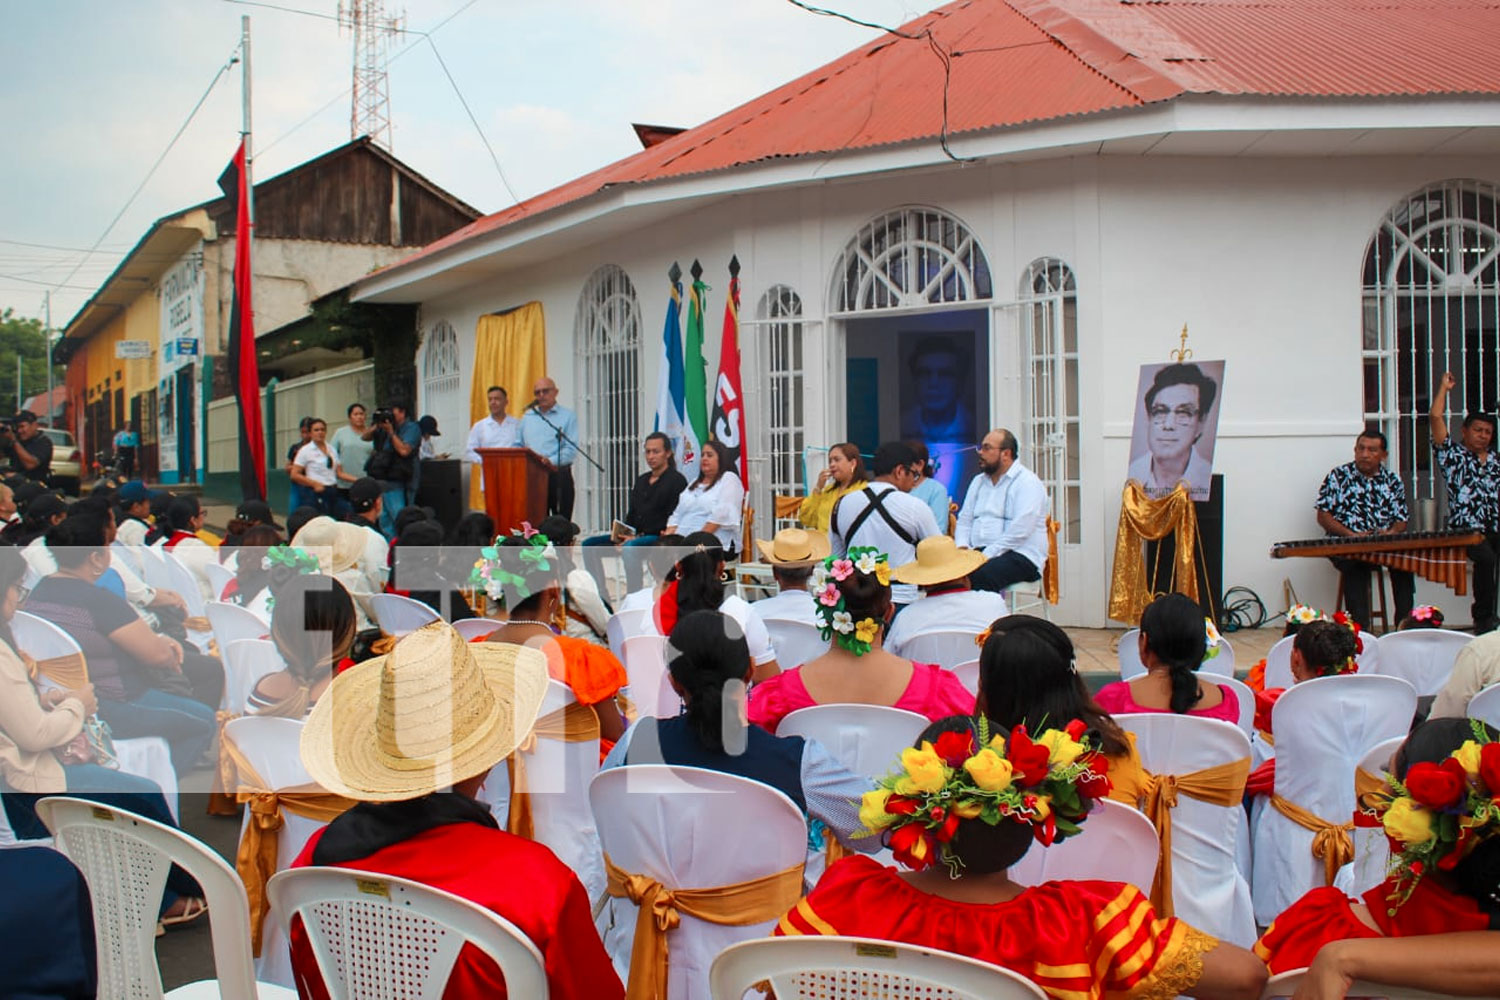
x,y
441,488
1210,567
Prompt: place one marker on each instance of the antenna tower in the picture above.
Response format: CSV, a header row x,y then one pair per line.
x,y
370,107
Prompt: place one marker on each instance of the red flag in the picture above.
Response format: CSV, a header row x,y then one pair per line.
x,y
244,369
727,423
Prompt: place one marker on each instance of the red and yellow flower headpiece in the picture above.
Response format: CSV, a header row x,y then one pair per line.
x,y
1050,782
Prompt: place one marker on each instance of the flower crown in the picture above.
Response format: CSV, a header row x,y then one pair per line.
x,y
1427,614
492,577
1350,665
1215,641
834,620
1441,812
301,561
1303,614
1049,782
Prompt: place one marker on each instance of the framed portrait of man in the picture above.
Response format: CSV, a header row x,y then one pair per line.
x,y
938,400
1176,426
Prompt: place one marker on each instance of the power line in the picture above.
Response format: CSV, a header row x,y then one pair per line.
x,y
51,246
482,137
287,10
47,284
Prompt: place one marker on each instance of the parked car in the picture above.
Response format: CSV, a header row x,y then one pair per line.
x,y
67,461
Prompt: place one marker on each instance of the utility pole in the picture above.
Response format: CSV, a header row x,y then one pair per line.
x,y
47,336
370,107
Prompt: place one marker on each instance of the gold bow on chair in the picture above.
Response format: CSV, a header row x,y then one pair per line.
x,y
1143,519
750,902
1223,785
1331,842
1050,589
257,857
68,671
573,723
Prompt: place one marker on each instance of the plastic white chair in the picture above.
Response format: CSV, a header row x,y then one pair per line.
x,y
231,622
132,556
624,624
181,579
968,673
272,746
1128,652
690,828
398,616
219,577
795,642
246,661
124,858
1117,843
1208,890
946,649
382,936
1485,706
557,776
1423,656
1323,727
1028,599
1242,693
1285,984
867,739
645,661
475,628
811,968
1372,851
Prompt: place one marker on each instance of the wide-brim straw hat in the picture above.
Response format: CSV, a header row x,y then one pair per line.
x,y
939,559
794,547
434,711
337,545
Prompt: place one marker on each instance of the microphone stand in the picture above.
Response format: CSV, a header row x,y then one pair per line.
x,y
561,437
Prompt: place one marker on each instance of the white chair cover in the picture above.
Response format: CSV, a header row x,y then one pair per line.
x,y
645,661
272,746
1128,652
867,739
41,639
1372,851
1118,843
1208,890
795,642
968,673
398,616
1423,656
1243,693
475,628
624,624
219,576
1279,660
1485,706
690,829
246,661
179,579
1323,728
558,775
946,649
231,622
1221,665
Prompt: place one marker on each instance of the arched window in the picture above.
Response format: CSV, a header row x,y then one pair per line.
x,y
910,257
1048,304
607,341
1431,304
441,369
778,332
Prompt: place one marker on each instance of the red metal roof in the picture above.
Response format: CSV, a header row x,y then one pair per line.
x,y
1015,62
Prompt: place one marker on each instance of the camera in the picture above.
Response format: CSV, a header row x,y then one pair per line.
x,y
383,416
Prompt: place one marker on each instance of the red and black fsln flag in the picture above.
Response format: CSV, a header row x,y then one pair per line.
x,y
244,370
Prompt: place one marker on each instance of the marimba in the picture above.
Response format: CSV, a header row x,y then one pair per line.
x,y
1439,556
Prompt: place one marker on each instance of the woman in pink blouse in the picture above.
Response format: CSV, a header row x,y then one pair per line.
x,y
1172,643
852,595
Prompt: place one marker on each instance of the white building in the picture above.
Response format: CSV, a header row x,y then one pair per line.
x,y
1311,188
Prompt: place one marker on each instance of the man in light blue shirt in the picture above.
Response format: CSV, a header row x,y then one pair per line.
x,y
1004,515
552,432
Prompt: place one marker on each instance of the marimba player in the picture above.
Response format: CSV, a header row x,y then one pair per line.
x,y
1473,477
1359,498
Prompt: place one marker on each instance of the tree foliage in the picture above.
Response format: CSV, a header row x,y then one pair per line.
x,y
27,338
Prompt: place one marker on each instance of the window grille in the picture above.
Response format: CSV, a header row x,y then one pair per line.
x,y
781,415
607,341
910,257
1431,304
441,368
1048,305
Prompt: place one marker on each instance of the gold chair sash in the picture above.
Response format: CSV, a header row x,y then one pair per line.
x,y
197,623
258,854
221,800
68,671
750,902
1050,589
573,723
1222,785
1331,843
1143,519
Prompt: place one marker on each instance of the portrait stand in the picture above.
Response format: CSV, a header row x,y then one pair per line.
x,y
1160,554
515,487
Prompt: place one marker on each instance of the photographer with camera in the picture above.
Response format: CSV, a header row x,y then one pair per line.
x,y
30,450
393,463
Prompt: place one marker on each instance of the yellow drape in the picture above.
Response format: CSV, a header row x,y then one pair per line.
x,y
1331,843
510,350
750,902
1223,785
257,857
573,723
1050,589
69,671
1143,519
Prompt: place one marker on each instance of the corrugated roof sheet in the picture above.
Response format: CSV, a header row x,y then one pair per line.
x,y
1015,62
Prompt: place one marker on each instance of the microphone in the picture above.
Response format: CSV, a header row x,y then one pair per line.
x,y
530,406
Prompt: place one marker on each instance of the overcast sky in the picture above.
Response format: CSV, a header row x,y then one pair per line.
x,y
92,91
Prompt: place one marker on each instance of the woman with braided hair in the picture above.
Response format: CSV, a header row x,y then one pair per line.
x,y
313,626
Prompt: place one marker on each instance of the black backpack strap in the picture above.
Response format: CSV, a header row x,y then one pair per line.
x,y
876,505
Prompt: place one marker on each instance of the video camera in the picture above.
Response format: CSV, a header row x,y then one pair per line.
x,y
383,416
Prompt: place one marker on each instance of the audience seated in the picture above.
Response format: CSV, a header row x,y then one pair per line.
x,y
38,514
845,473
1476,667
927,489
133,512
1173,644
586,612
1028,676
948,604
709,663
1321,649
696,583
853,604
47,924
791,556
714,501
184,521
962,810
251,586
313,626
411,737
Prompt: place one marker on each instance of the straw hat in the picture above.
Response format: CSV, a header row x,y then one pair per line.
x,y
442,709
794,547
939,559
337,544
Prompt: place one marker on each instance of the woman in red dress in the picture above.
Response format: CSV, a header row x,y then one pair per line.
x,y
1173,644
975,803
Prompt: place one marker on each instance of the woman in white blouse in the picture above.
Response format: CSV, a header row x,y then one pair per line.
x,y
713,503
316,470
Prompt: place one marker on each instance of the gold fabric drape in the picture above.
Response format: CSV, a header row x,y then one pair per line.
x,y
257,857
221,800
1331,843
750,902
573,723
1143,519
510,350
1050,590
1223,785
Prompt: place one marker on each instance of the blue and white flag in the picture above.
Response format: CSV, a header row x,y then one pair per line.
x,y
671,391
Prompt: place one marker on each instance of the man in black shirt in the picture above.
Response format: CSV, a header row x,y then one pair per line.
x,y
30,450
652,500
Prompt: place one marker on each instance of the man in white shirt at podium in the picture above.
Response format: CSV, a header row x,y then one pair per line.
x,y
497,430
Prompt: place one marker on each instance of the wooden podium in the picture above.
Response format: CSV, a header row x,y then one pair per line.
x,y
515,487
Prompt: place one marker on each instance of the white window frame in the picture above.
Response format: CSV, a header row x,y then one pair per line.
x,y
442,368
607,343
1047,310
776,345
873,272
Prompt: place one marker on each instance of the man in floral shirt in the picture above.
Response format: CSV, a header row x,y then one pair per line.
x,y
1473,476
1363,497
